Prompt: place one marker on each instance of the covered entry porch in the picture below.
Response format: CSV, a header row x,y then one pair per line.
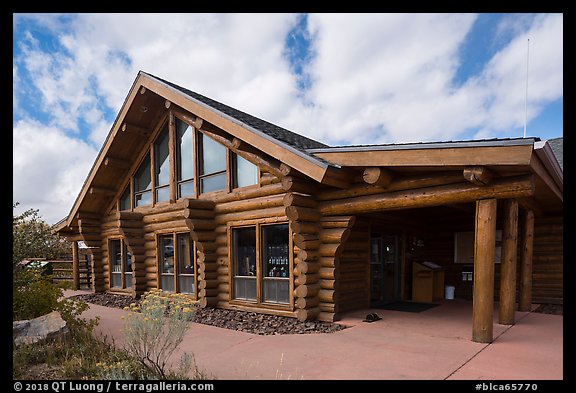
x,y
385,259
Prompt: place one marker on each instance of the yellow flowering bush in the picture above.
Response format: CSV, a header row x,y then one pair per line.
x,y
154,328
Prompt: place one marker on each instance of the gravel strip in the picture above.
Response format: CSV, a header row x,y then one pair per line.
x,y
243,321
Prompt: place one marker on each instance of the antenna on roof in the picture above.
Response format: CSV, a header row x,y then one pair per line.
x,y
526,96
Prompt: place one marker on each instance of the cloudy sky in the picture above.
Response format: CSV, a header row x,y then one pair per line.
x,y
338,78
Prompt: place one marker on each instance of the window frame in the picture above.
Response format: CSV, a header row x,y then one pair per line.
x,y
178,160
176,275
123,246
259,302
169,120
199,162
165,126
133,181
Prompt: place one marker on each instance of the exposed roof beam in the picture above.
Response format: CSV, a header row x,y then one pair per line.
x,y
377,176
479,175
134,129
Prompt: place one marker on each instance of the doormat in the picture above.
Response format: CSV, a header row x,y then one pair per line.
x,y
406,306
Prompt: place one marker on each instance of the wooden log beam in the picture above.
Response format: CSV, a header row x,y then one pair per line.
x,y
295,213
515,187
249,204
525,293
293,199
337,221
307,314
307,302
258,158
194,121
404,183
338,177
129,128
483,297
377,176
305,227
334,235
117,163
306,241
508,263
293,184
479,175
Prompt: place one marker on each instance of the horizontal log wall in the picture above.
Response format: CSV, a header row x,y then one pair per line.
x,y
354,269
548,260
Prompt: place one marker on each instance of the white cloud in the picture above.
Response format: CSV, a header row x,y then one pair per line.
x,y
49,168
375,78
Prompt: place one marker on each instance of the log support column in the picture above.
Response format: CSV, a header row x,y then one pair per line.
x,y
484,245
525,295
75,265
508,263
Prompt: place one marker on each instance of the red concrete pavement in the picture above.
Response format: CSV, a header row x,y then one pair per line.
x,y
431,345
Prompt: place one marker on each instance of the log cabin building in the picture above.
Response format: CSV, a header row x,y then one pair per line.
x,y
190,195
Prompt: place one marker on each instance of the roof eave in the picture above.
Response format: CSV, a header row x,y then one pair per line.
x,y
548,158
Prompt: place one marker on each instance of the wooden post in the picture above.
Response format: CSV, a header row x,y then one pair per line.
x,y
75,265
508,263
484,245
525,301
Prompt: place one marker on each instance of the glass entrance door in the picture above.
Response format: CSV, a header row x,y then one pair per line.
x,y
384,269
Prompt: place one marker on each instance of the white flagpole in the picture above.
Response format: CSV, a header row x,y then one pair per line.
x,y
526,96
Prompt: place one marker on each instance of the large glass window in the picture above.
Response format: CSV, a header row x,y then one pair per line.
x,y
269,269
125,199
212,164
275,261
185,263
121,260
245,173
176,263
162,166
244,254
185,159
143,184
166,263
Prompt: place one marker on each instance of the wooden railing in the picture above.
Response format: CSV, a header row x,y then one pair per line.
x,y
62,272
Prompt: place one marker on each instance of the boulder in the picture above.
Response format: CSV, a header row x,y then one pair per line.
x,y
47,327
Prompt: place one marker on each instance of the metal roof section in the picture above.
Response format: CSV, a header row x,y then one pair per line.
x,y
428,145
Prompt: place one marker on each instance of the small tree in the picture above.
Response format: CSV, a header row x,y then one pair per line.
x,y
32,237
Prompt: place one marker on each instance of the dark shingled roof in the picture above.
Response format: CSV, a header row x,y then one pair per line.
x,y
291,138
557,145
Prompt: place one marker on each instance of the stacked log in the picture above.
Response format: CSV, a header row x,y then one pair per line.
x,y
131,227
199,218
304,219
334,232
353,269
89,229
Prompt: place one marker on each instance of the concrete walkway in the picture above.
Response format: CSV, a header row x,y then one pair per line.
x,y
431,345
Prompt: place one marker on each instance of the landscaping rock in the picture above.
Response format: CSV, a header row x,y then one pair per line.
x,y
47,327
242,321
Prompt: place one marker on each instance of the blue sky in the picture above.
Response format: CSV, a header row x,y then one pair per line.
x,y
338,78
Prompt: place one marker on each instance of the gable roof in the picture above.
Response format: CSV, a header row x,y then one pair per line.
x,y
297,141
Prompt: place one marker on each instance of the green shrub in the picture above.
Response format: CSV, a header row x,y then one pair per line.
x,y
33,294
154,329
